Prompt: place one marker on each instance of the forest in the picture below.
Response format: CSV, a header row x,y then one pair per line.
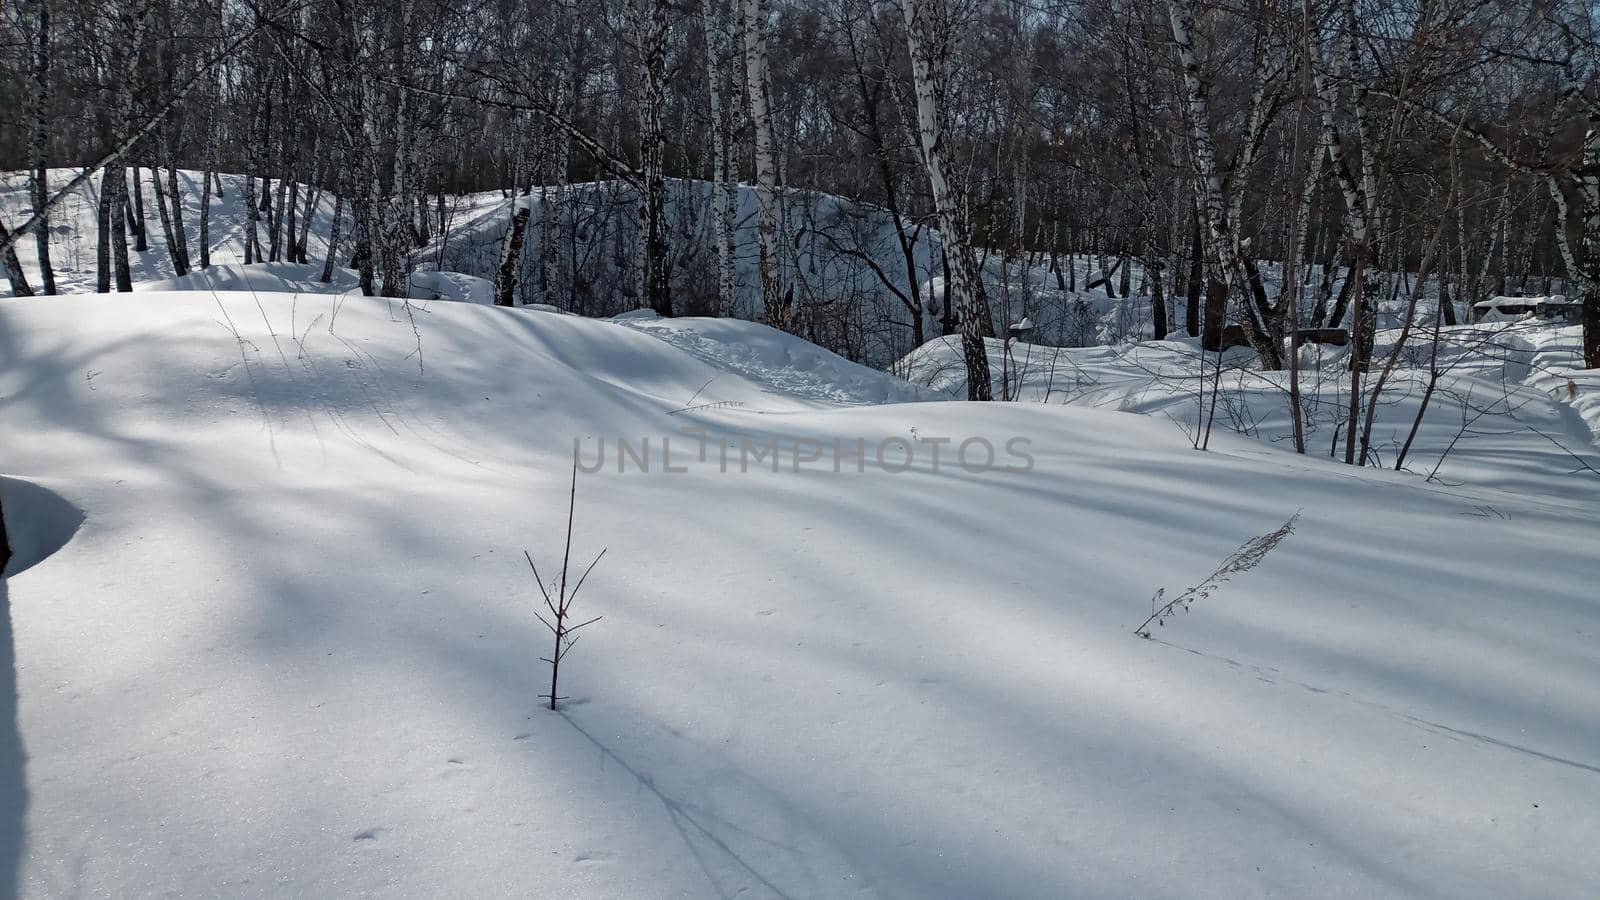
x,y
904,449
1350,142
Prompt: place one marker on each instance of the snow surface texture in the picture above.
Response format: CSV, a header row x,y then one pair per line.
x,y
291,651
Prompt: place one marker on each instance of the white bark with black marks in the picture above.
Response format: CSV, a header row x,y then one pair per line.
x,y
928,38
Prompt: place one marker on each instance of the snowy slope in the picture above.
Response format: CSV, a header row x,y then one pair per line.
x,y
1511,411
290,651
72,227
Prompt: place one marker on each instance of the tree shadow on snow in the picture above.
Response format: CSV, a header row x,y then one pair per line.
x,y
13,789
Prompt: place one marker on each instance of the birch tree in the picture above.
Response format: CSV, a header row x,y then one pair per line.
x,y
776,299
649,24
929,36
720,56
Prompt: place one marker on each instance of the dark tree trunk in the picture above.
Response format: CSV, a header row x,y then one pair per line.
x,y
205,218
1591,327
119,234
947,317
175,196
291,210
313,197
1158,300
333,238
1196,280
141,241
252,220
173,250
38,146
1216,313
5,544
13,267
106,204
505,280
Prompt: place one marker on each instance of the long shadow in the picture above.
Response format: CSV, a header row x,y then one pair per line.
x,y
688,822
13,789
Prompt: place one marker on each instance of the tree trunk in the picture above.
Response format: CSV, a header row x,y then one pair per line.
x,y
1589,184
1591,326
119,233
1191,320
38,146
505,279
136,222
252,218
650,27
175,195
13,267
333,237
105,204
174,250
929,37
724,178
775,301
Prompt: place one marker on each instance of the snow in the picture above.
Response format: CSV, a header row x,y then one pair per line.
x,y
290,649
73,246
1512,412
72,224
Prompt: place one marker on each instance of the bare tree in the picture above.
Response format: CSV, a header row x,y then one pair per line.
x,y
929,34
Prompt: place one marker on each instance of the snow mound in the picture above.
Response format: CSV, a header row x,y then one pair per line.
x,y
38,522
276,277
784,365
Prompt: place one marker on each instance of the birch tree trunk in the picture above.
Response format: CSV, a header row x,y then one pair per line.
x,y
724,177
1227,268
928,40
553,196
650,30
776,303
505,278
1360,235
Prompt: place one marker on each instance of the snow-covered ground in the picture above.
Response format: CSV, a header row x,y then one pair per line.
x,y
1510,410
72,227
290,650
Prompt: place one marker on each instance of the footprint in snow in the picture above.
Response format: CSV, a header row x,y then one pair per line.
x,y
593,856
371,834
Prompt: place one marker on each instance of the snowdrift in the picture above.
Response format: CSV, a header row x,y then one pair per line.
x,y
291,650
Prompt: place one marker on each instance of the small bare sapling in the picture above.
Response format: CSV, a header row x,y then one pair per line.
x,y
559,604
1247,557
